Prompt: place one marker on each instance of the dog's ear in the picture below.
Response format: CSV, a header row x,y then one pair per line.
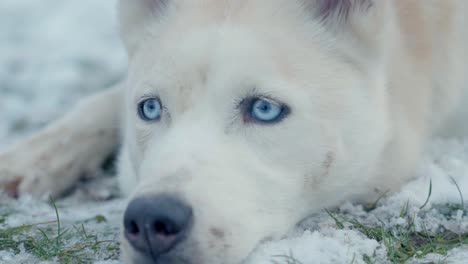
x,y
339,10
136,17
348,15
363,24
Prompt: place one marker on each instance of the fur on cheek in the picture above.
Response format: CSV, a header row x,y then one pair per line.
x,y
313,180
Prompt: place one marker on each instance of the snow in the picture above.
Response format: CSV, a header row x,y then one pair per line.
x,y
328,246
54,52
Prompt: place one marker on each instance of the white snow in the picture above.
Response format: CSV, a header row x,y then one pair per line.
x,y
54,52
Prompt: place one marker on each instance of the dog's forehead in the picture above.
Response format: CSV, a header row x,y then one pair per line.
x,y
189,56
202,64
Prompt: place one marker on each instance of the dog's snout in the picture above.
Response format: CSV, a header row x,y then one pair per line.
x,y
154,225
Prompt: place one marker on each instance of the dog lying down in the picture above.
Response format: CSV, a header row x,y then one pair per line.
x,y
240,118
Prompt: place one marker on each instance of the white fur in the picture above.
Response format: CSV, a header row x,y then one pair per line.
x,y
365,92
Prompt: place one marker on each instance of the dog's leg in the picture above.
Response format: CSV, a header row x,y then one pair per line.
x,y
52,160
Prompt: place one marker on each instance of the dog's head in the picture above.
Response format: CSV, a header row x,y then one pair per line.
x,y
244,116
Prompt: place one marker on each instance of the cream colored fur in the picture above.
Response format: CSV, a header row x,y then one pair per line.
x,y
366,92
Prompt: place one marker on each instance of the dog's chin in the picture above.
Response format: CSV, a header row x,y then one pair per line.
x,y
139,258
182,254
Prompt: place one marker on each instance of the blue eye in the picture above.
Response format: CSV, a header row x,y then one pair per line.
x,y
150,109
267,111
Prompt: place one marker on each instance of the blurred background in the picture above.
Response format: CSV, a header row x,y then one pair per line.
x,y
52,53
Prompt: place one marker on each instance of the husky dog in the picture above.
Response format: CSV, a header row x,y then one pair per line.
x,y
239,118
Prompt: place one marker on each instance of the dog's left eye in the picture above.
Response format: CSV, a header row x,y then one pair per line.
x,y
150,109
265,110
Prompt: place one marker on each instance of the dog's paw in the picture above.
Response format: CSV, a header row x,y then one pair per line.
x,y
40,185
37,184
9,183
15,183
21,173
9,180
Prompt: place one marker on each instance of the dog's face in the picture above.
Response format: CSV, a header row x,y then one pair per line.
x,y
242,117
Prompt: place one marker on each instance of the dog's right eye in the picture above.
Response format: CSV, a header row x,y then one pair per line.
x,y
150,109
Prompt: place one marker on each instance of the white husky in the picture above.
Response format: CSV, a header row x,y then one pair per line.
x,y
241,117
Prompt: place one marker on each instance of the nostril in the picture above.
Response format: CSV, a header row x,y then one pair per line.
x,y
133,229
161,228
165,228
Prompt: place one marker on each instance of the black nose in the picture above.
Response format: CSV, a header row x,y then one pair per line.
x,y
154,225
